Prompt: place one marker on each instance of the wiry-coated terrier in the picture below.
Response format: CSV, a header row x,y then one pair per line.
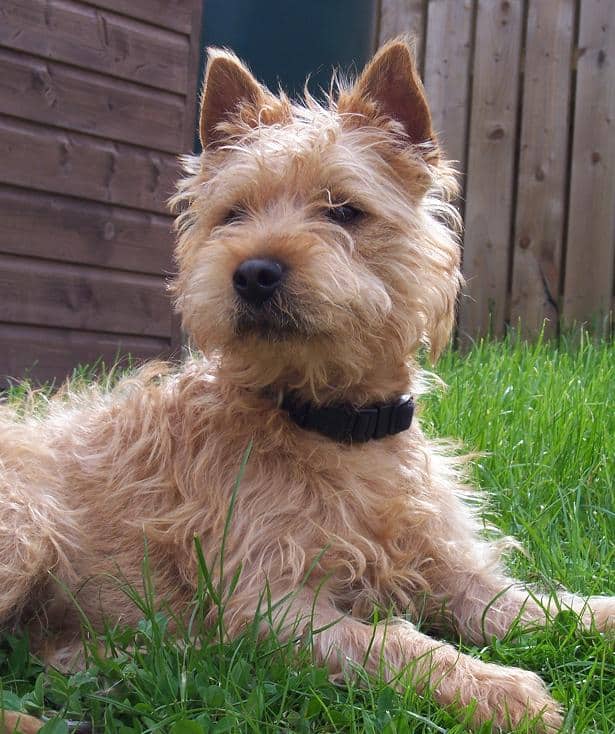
x,y
317,256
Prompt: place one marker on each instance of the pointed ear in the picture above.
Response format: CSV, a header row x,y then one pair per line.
x,y
392,82
228,85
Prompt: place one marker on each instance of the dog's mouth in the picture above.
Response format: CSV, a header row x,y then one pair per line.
x,y
272,321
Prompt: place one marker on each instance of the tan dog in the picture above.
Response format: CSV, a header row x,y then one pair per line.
x,y
316,257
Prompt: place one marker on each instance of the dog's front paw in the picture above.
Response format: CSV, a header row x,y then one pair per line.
x,y
14,722
510,696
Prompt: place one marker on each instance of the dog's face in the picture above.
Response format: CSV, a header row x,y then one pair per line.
x,y
314,244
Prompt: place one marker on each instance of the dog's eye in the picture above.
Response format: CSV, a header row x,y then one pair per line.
x,y
233,215
344,214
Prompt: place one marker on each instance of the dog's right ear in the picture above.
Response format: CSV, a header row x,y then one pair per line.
x,y
228,86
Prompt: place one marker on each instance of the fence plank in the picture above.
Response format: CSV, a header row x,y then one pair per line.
x,y
194,67
399,17
591,249
62,96
71,163
59,228
176,14
108,43
541,183
43,293
447,60
489,191
43,354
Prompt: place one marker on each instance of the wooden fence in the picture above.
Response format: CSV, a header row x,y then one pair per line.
x,y
96,100
523,96
97,97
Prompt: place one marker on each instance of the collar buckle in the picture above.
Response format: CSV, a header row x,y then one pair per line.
x,y
352,425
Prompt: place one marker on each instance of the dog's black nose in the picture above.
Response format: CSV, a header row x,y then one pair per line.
x,y
257,280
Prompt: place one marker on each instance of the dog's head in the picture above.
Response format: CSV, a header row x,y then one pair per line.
x,y
315,241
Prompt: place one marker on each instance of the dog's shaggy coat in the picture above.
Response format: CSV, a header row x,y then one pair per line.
x,y
387,523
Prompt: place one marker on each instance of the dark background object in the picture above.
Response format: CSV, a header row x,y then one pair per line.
x,y
285,41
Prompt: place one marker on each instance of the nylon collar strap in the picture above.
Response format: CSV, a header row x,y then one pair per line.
x,y
352,425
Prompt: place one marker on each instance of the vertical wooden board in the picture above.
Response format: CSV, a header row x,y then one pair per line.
x,y
194,70
541,182
446,75
591,223
404,17
489,190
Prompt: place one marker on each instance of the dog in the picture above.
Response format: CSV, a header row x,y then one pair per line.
x,y
317,257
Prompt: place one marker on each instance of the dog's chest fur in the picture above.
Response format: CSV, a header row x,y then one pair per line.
x,y
355,515
358,518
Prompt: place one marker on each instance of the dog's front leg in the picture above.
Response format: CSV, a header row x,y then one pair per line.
x,y
469,585
37,531
487,604
504,695
33,547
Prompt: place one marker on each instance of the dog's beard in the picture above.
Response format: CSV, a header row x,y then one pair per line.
x,y
273,321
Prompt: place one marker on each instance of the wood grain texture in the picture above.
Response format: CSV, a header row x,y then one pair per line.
x,y
590,254
97,99
178,338
95,39
404,17
489,190
446,75
44,159
541,181
46,354
194,82
59,228
44,293
175,14
62,96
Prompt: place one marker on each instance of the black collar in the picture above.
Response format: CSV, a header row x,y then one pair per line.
x,y
352,425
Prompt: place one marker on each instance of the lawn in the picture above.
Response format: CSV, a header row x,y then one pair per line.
x,y
543,419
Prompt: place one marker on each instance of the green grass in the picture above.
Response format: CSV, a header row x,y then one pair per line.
x,y
545,420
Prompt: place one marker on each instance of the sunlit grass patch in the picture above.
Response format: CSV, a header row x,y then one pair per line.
x,y
542,420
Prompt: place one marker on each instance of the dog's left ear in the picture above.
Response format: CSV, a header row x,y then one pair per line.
x,y
391,82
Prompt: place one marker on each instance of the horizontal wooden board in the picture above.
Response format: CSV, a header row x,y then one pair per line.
x,y
175,14
71,163
98,40
43,354
65,229
44,293
63,96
